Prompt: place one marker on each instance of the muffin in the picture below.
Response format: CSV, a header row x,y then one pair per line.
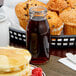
x,y
55,23
14,62
71,3
22,11
69,18
56,5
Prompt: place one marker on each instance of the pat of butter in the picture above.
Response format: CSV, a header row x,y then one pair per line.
x,y
4,62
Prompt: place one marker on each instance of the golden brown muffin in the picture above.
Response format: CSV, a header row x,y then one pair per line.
x,y
23,23
69,18
22,11
33,3
71,3
55,23
56,5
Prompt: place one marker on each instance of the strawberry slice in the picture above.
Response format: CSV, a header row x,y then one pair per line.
x,y
37,72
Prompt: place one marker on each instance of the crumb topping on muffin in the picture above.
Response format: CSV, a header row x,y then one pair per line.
x,y
56,5
69,15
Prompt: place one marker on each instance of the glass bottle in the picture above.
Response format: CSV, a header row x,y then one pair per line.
x,y
38,35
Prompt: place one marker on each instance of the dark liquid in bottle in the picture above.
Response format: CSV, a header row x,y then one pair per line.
x,y
38,37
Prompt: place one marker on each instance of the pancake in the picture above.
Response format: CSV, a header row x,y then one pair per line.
x,y
21,51
13,59
23,72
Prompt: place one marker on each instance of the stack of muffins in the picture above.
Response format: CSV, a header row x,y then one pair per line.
x,y
59,12
67,12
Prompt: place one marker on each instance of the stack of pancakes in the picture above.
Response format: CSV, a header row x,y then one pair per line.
x,y
14,62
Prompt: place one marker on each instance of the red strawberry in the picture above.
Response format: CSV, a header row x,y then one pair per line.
x,y
37,72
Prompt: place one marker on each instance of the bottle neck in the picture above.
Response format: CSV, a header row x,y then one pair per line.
x,y
38,12
37,17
